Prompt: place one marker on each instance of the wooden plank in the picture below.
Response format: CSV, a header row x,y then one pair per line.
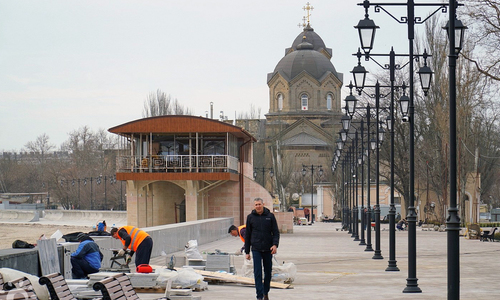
x,y
150,290
48,255
238,279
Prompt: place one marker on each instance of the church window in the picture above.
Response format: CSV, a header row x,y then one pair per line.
x,y
280,102
304,101
329,98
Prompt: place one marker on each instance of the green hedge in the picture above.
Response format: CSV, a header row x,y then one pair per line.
x,y
491,224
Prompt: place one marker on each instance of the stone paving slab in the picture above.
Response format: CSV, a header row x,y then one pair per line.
x,y
330,265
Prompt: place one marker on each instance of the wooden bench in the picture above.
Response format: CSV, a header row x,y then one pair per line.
x,y
19,283
18,294
116,287
488,235
57,286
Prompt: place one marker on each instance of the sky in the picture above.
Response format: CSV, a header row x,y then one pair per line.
x,y
65,64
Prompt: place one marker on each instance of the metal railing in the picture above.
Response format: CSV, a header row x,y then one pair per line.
x,y
177,163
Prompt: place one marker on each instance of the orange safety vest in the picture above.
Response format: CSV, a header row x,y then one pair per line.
x,y
239,232
136,235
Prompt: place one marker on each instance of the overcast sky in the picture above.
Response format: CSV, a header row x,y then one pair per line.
x,y
71,63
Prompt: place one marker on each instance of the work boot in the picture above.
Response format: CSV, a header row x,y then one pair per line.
x,y
266,297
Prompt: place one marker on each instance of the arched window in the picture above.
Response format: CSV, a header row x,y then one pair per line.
x,y
280,102
304,101
329,99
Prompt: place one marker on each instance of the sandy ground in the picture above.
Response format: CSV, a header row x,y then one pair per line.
x,y
31,232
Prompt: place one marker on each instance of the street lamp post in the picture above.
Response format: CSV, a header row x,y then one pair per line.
x,y
354,211
121,195
367,44
356,189
98,181
350,172
362,241
359,75
304,171
263,170
85,183
78,206
351,109
455,34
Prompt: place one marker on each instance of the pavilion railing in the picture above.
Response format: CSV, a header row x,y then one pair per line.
x,y
177,163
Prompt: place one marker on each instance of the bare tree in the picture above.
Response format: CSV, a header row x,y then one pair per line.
x,y
284,169
484,26
253,114
431,120
41,146
161,104
85,177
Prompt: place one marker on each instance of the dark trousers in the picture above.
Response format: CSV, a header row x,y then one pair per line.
x,y
143,253
81,268
259,259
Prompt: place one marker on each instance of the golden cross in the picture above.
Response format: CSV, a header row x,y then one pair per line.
x,y
303,24
308,7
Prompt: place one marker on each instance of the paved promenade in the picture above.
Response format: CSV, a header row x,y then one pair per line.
x,y
330,265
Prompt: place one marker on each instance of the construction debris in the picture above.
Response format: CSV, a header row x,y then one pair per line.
x,y
218,276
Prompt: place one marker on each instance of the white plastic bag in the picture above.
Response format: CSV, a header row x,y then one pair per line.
x,y
283,273
186,278
164,276
247,269
191,250
280,273
11,274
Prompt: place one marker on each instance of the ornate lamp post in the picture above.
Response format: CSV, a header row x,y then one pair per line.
x,y
456,31
351,102
263,170
304,172
359,74
410,20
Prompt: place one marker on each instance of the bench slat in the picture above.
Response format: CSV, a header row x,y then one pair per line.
x,y
116,287
57,286
18,294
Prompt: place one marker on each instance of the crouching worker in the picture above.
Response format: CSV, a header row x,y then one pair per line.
x,y
101,226
138,241
87,258
240,232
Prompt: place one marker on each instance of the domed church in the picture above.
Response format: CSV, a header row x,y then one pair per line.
x,y
303,119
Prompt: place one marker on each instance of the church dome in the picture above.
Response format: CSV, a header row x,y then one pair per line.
x,y
305,59
309,36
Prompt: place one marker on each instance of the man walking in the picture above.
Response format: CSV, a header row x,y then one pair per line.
x,y
138,241
262,236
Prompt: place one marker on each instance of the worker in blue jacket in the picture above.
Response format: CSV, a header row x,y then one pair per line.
x,y
262,237
87,258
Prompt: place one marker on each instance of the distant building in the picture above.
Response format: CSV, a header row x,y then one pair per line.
x,y
301,127
186,168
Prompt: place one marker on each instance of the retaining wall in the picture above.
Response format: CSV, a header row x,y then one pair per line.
x,y
56,216
168,238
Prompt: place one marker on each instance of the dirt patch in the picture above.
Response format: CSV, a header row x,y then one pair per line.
x,y
31,232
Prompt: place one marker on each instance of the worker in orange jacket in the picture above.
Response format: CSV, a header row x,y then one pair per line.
x,y
138,241
238,231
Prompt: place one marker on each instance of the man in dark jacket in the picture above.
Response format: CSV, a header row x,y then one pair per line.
x,y
262,236
87,258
